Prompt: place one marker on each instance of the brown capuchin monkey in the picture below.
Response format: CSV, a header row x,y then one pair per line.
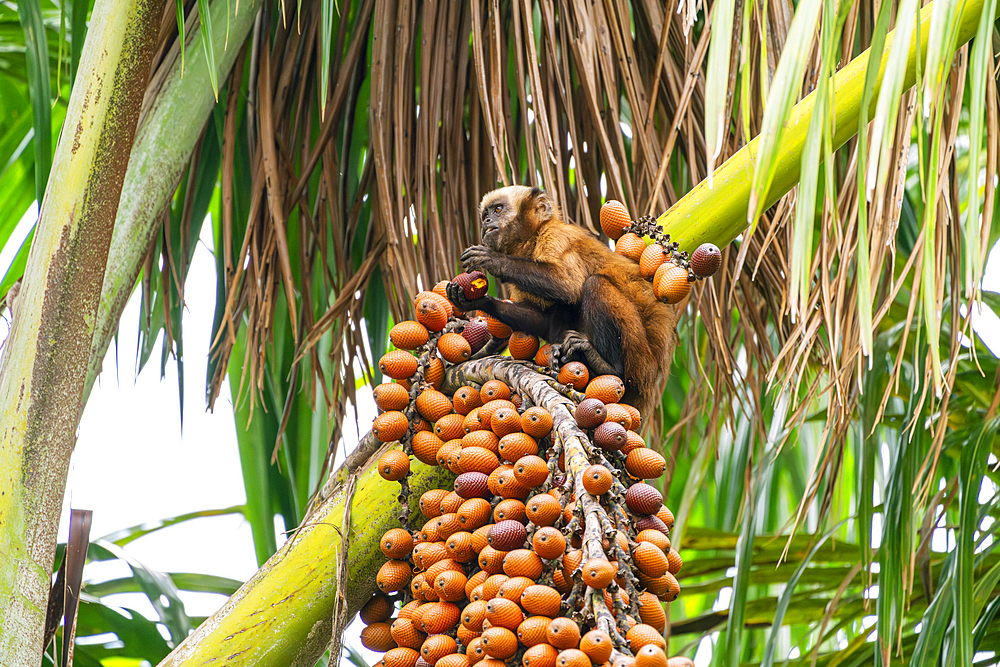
x,y
571,290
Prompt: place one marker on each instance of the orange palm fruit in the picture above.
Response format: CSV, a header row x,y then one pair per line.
x,y
434,373
651,611
459,547
465,399
633,441
454,659
614,220
430,553
650,655
542,356
408,335
671,284
376,610
531,470
542,510
447,456
447,524
391,396
497,328
491,560
597,480
491,587
597,645
405,633
536,422
454,348
598,573
651,259
426,446
572,657
394,575
513,446
674,562
513,587
503,483
442,299
666,516
477,459
522,345
495,390
606,388
644,463
541,600
650,559
503,613
563,633
440,617
401,657
673,588
490,407
482,438
449,427
505,421
509,509
618,413
451,502
436,647
540,655
641,635
574,374
548,543
475,580
431,313
473,615
480,537
631,245
474,513
474,651
636,417
432,404
390,426
499,643
394,465
522,563
407,610
561,583
398,364
396,543
532,630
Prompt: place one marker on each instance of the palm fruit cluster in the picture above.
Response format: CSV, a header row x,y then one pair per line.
x,y
549,550
670,270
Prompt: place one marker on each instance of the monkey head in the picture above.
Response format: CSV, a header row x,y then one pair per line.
x,y
512,215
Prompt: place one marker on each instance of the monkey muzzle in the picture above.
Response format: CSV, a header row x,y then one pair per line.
x,y
490,227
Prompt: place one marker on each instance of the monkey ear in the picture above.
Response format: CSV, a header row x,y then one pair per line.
x,y
543,205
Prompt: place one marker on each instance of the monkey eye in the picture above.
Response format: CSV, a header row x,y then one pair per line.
x,y
497,208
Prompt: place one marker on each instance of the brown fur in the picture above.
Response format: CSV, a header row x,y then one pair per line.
x,y
572,290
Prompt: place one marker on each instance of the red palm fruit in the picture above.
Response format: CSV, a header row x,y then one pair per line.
x,y
652,522
408,335
507,535
631,245
426,446
650,559
590,413
532,630
643,498
657,538
531,470
466,399
483,438
597,480
542,356
606,388
394,465
650,655
440,617
401,657
642,635
505,421
477,459
522,345
473,615
616,412
396,543
598,573
511,509
636,417
450,586
634,441
495,390
390,426
542,510
671,284
492,585
706,260
436,647
575,375
474,513
611,436
503,613
447,525
499,642
451,502
513,446
479,537
433,405
597,645
474,284
548,543
540,655
472,484
376,610
475,580
541,600
459,547
394,575
405,633
449,427
645,464
398,364
614,220
651,259
572,657
522,563
563,633
513,587
455,659
497,328
536,422
674,562
447,456
491,560
490,407
477,333
454,348
434,375
651,611
666,516
430,503
390,396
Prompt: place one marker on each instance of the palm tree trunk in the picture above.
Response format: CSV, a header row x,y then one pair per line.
x,y
44,365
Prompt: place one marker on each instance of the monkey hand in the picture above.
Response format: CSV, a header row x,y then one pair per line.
x,y
479,257
457,296
573,342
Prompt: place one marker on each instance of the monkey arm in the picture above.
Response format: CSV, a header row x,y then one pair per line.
x,y
542,279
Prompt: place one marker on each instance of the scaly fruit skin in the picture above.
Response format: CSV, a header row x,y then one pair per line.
x,y
474,284
630,245
614,219
671,283
706,260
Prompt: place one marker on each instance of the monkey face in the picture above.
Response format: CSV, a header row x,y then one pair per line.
x,y
511,215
